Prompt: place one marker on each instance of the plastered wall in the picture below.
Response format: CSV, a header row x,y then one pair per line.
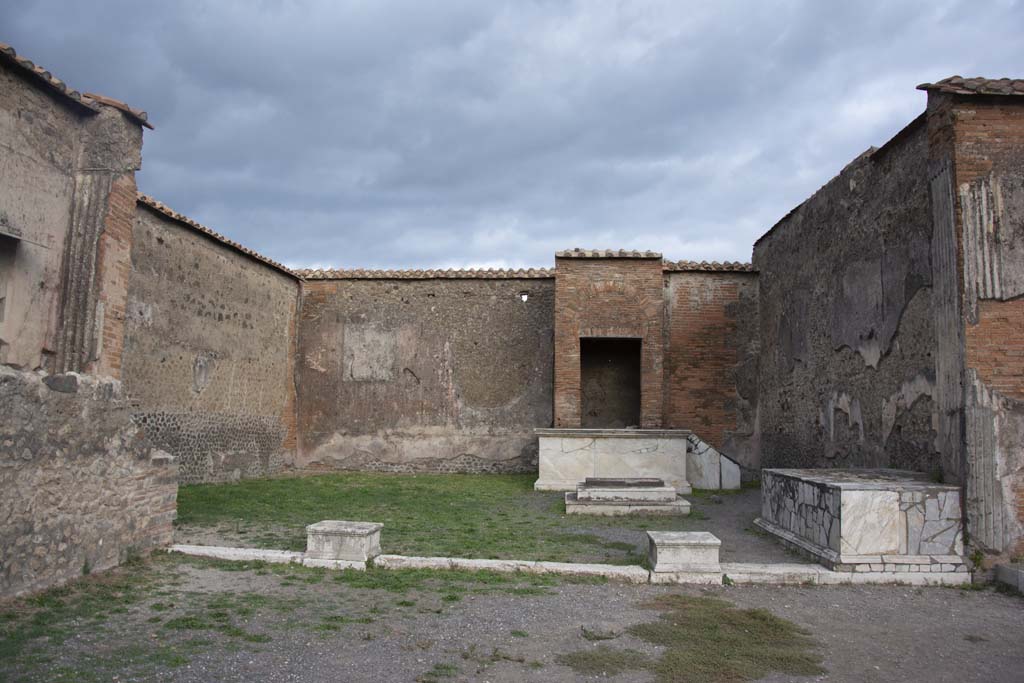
x,y
847,335
424,375
209,352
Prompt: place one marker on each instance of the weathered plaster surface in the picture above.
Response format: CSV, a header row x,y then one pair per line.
x,y
425,375
208,352
846,376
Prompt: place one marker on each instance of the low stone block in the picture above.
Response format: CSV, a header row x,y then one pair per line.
x,y
684,551
340,540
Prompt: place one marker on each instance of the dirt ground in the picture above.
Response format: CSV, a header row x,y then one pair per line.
x,y
205,621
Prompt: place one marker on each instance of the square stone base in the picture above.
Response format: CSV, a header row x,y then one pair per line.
x,y
339,540
692,552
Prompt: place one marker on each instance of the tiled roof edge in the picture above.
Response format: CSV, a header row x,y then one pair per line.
x,y
977,85
137,115
165,210
88,101
708,267
606,253
60,87
428,274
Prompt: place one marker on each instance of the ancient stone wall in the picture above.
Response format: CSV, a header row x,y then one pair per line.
x,y
441,374
41,131
609,297
82,488
208,351
711,359
847,374
987,147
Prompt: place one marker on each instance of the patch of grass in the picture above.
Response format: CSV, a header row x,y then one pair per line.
x,y
708,640
485,516
441,670
518,633
605,661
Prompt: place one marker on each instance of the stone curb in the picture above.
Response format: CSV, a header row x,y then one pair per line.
x,y
739,573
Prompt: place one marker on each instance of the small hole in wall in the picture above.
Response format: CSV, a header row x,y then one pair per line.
x,y
524,296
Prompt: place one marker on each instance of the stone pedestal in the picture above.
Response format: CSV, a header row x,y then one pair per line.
x,y
617,497
683,551
333,540
569,456
870,520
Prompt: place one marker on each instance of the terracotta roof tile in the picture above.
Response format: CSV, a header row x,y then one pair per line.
x,y
140,116
957,85
89,101
708,267
605,253
162,208
450,274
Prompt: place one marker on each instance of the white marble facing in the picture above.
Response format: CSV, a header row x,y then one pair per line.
x,y
567,457
706,468
870,523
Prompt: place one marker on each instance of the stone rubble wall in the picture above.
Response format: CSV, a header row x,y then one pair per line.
x,y
209,352
81,489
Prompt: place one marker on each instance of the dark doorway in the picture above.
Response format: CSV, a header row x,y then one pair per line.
x,y
610,382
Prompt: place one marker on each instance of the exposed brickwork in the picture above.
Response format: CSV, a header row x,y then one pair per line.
x,y
113,269
988,143
608,297
995,347
703,353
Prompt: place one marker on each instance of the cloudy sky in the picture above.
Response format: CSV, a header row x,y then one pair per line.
x,y
459,133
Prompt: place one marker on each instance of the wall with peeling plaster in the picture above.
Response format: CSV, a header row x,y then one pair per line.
x,y
59,164
987,147
209,352
846,372
425,375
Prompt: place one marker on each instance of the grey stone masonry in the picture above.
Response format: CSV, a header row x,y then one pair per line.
x,y
340,540
683,551
869,520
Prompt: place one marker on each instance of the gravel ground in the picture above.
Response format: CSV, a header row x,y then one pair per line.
x,y
503,633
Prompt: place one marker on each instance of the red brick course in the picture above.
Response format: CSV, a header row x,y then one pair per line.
x,y
608,297
113,270
702,353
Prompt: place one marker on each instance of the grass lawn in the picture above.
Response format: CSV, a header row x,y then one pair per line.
x,y
454,515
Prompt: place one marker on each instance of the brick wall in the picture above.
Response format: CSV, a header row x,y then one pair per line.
x,y
608,297
995,347
113,270
984,136
709,316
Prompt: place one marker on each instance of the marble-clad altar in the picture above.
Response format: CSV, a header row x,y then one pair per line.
x,y
865,520
569,456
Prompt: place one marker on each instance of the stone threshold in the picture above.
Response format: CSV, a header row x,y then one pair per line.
x,y
909,564
738,573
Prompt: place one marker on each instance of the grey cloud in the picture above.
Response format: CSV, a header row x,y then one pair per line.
x,y
412,134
